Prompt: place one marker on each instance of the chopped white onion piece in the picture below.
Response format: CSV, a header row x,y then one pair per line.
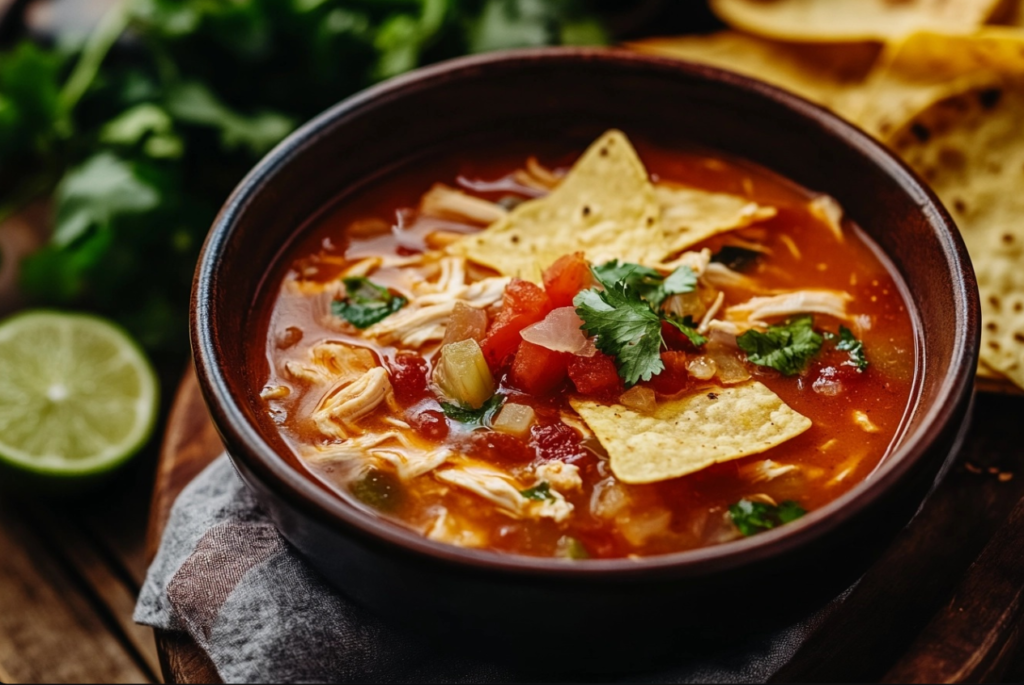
x,y
560,332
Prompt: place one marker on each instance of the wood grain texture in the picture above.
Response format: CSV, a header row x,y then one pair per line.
x,y
972,638
52,631
891,615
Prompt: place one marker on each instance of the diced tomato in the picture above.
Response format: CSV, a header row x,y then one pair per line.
x,y
537,370
431,423
408,377
522,304
674,377
675,339
495,447
564,279
557,441
596,375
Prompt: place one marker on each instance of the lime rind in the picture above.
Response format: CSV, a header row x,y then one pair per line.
x,y
67,382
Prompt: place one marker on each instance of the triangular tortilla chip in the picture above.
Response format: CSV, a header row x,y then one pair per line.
x,y
826,73
927,67
970,149
852,20
690,434
605,206
690,216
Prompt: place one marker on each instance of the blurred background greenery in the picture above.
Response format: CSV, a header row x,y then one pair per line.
x,y
135,122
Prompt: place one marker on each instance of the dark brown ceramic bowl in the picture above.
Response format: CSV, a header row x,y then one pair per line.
x,y
618,610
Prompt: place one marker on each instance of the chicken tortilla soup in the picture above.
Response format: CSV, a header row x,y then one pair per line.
x,y
613,354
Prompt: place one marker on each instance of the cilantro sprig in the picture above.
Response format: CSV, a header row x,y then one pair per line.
x,y
849,343
625,317
476,418
756,517
366,303
539,492
786,348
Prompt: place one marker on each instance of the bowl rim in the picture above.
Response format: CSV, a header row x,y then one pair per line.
x,y
245,443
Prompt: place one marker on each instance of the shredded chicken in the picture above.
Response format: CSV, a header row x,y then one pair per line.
x,y
720,276
426,316
501,490
447,528
830,212
331,362
348,402
766,470
760,309
560,475
409,460
275,392
710,314
444,202
698,261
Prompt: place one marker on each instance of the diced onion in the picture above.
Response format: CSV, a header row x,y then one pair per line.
x,y
640,398
560,332
515,419
462,374
466,322
702,367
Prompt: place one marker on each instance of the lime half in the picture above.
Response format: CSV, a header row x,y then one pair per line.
x,y
77,395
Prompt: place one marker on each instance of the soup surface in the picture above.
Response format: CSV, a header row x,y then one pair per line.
x,y
587,356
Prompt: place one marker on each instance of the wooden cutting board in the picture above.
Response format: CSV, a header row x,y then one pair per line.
x,y
944,603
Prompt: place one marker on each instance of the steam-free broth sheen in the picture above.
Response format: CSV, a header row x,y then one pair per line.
x,y
742,357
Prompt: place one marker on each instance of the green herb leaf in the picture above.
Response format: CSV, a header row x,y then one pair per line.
x,y
634,276
378,489
481,417
855,348
97,192
756,517
786,348
687,327
626,327
539,492
682,280
366,303
736,258
571,548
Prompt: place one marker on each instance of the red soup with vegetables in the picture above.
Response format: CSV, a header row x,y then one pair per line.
x,y
607,355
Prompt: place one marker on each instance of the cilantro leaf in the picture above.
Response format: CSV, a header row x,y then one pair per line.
x,y
785,348
634,276
756,517
687,327
366,303
626,327
855,348
539,492
477,418
682,280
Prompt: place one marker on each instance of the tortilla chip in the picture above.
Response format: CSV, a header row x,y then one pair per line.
x,y
690,216
970,149
605,206
927,67
690,434
852,20
828,74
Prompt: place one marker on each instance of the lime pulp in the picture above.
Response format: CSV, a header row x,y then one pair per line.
x,y
77,395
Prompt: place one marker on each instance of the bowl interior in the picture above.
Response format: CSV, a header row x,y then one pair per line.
x,y
542,95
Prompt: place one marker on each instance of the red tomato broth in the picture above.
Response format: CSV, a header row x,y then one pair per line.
x,y
688,512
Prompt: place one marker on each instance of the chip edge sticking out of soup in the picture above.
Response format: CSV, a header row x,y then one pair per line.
x,y
592,361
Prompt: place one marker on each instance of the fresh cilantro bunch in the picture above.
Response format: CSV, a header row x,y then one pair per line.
x,y
625,316
137,147
756,517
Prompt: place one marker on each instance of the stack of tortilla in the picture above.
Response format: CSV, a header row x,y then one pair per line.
x,y
941,82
